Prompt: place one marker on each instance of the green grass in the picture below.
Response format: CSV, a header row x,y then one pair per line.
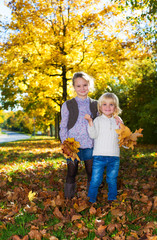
x,y
151,217
18,228
108,218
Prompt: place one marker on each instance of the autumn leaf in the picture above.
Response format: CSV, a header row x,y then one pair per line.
x,y
126,137
31,196
53,238
76,217
32,208
58,213
101,231
155,201
99,222
81,205
92,211
112,226
9,179
35,234
16,237
70,148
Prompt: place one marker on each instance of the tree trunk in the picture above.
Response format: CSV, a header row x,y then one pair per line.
x,y
64,83
57,120
51,130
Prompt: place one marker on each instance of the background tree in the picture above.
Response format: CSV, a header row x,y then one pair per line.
x,y
49,41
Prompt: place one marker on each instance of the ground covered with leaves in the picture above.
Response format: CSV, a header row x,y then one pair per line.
x,y
32,204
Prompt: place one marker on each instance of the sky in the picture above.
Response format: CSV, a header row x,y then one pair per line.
x,y
4,11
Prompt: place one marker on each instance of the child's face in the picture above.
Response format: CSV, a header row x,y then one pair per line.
x,y
108,108
81,87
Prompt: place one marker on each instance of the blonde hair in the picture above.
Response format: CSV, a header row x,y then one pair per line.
x,y
83,75
114,99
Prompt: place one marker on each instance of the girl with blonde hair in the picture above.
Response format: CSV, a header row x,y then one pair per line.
x,y
106,151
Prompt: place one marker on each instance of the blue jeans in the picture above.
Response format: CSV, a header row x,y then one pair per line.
x,y
84,154
112,167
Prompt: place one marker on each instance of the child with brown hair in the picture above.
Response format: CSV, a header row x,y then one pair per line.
x,y
74,125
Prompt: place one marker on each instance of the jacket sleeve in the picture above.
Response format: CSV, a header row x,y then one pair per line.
x,y
94,130
63,133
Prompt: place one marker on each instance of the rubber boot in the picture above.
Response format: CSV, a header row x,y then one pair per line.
x,y
69,190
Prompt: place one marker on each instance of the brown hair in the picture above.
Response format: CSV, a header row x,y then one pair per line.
x,y
83,75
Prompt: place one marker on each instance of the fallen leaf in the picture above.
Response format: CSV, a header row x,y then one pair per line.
x,y
79,225
101,231
117,212
31,196
9,179
99,222
92,211
80,206
112,226
149,226
58,214
82,234
25,237
134,234
59,201
155,202
152,238
32,208
16,237
53,238
76,217
35,234
143,198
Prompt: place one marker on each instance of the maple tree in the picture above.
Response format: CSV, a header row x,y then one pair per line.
x,y
126,137
51,40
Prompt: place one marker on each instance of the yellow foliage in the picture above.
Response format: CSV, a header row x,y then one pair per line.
x,y
126,137
54,40
70,148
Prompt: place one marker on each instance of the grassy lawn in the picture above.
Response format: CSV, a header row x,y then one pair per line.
x,y
37,165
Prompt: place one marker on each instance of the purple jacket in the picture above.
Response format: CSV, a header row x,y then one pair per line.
x,y
79,130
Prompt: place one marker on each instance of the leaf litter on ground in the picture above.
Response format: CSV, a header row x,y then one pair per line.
x,y
32,204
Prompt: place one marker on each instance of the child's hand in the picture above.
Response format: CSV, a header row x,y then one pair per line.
x,y
118,120
89,119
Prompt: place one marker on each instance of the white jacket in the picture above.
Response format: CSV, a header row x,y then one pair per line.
x,y
105,137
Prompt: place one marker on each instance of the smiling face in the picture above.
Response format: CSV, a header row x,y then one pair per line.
x,y
108,107
81,87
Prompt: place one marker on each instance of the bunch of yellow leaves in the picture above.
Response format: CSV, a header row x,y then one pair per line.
x,y
70,148
126,137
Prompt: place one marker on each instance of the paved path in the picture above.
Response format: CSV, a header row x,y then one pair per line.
x,y
12,136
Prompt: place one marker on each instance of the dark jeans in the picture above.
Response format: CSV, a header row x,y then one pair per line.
x,y
85,155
